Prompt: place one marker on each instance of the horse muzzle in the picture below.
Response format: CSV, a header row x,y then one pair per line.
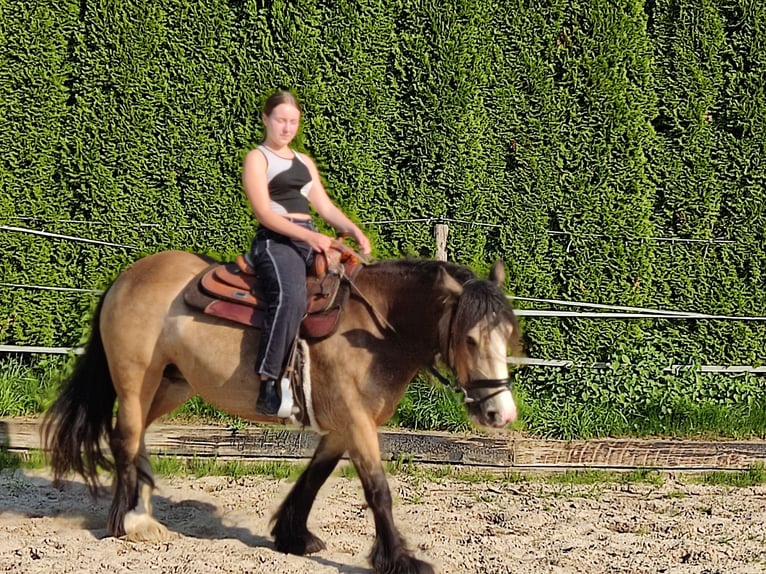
x,y
490,402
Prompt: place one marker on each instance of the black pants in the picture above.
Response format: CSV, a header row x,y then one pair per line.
x,y
280,264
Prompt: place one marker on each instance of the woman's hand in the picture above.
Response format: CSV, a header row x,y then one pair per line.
x,y
362,241
319,242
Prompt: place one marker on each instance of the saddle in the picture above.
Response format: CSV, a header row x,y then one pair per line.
x,y
231,291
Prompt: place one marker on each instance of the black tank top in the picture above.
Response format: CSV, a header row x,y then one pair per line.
x,y
289,182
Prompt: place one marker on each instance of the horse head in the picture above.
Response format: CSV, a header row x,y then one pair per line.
x,y
475,334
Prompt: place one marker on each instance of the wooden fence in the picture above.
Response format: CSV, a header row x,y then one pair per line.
x,y
502,451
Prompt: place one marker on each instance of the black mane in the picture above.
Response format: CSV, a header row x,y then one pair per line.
x,y
428,267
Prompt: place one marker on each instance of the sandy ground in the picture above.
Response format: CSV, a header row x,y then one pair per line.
x,y
221,525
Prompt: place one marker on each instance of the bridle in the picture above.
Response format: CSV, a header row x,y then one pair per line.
x,y
501,385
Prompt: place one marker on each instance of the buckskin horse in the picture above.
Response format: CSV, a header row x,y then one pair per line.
x,y
149,351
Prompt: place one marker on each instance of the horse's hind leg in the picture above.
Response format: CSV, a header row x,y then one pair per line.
x,y
130,514
138,523
290,531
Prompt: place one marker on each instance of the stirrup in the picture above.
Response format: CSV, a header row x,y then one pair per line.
x,y
286,406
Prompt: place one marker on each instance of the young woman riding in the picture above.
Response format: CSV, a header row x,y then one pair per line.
x,y
281,184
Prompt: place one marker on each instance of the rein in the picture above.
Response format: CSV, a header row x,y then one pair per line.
x,y
377,314
350,253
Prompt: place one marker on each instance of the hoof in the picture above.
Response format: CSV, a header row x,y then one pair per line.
x,y
299,545
408,565
143,528
399,562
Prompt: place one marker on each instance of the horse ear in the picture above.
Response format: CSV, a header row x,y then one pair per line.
x,y
448,283
497,273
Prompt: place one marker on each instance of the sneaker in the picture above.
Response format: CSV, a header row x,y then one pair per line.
x,y
268,399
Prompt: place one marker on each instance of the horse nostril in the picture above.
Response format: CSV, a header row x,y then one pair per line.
x,y
493,417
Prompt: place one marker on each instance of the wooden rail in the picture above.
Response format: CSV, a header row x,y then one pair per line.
x,y
503,450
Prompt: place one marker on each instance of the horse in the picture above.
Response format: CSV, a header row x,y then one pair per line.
x,y
149,352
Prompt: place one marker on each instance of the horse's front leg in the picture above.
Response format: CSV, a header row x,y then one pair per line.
x,y
290,530
389,553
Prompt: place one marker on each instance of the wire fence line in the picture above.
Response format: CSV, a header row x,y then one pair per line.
x,y
66,237
640,239
48,288
518,361
566,364
95,222
35,350
601,306
614,312
631,312
423,220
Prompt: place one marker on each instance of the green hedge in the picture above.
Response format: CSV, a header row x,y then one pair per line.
x,y
571,135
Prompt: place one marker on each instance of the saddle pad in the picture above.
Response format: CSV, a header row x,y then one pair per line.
x,y
243,314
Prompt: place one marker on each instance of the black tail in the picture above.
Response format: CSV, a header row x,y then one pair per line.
x,y
82,416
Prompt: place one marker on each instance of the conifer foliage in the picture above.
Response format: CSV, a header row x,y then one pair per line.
x,y
612,153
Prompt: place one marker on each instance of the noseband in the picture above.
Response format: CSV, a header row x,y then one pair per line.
x,y
501,385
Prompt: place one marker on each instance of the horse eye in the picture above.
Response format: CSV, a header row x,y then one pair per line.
x,y
470,341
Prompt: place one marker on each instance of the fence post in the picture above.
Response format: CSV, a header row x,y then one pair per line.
x,y
440,232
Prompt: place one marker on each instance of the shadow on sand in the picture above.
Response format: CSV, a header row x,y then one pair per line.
x,y
34,495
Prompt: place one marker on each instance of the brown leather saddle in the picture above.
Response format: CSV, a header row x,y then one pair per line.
x,y
231,291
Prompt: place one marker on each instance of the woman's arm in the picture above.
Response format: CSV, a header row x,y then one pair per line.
x,y
328,211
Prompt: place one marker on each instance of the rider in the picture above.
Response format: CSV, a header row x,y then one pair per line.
x,y
280,184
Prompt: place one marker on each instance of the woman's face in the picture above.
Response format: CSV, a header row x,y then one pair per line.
x,y
282,124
